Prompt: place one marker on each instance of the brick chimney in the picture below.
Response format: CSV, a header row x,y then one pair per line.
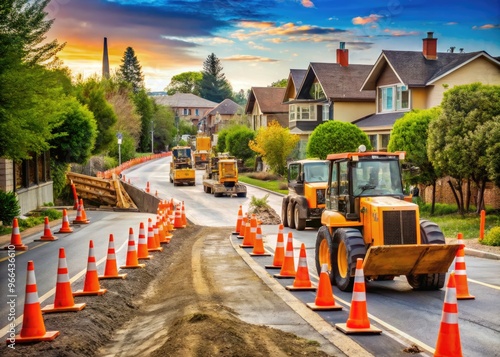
x,y
343,55
430,47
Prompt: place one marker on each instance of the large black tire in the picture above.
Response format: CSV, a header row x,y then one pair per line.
x,y
300,223
171,180
430,234
284,218
241,194
324,249
289,214
348,246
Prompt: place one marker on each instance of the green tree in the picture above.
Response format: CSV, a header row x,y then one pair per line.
x,y
214,85
131,71
186,82
335,137
281,83
410,134
145,108
77,133
221,140
164,127
92,93
237,140
241,97
274,143
462,137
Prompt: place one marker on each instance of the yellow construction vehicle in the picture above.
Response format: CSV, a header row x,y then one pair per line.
x,y
181,166
202,153
367,216
221,177
305,201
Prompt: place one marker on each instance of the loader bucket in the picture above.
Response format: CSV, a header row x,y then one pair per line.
x,y
409,259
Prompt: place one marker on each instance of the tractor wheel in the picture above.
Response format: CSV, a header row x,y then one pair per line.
x,y
300,223
241,194
289,214
348,247
431,234
171,180
324,249
284,218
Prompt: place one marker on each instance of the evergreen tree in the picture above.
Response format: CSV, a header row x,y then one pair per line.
x,y
131,71
214,85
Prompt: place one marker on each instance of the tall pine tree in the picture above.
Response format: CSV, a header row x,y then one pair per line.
x,y
131,71
214,85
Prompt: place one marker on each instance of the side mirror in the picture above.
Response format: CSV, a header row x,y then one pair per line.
x,y
301,177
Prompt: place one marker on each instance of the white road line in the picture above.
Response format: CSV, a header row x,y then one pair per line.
x,y
484,284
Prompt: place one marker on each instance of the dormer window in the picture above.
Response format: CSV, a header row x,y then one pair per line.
x,y
393,98
316,91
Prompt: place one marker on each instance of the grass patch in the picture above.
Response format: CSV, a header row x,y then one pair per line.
x,y
36,218
468,225
275,184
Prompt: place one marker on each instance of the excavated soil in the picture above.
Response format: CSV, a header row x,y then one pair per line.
x,y
172,307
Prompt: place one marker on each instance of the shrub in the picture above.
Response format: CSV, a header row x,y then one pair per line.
x,y
110,162
257,204
9,207
263,176
492,237
52,214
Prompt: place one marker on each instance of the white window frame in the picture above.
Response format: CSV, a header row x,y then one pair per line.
x,y
325,112
396,98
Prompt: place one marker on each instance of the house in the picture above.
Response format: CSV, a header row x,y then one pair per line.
x,y
29,179
264,105
406,80
214,119
328,91
186,106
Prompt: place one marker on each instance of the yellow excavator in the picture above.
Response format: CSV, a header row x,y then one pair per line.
x,y
181,166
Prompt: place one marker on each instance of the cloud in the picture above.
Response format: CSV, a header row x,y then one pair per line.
x,y
451,23
307,3
255,24
249,58
486,27
286,30
400,33
366,20
255,46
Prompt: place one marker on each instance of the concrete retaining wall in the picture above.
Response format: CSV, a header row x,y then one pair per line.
x,y
144,201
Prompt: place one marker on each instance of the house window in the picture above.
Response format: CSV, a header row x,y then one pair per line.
x,y
384,141
291,112
393,98
306,112
326,112
316,92
187,111
196,112
374,141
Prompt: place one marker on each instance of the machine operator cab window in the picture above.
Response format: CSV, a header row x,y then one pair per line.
x,y
316,172
376,178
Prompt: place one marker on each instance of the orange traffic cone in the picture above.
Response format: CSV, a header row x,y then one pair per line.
x,y
460,272
178,218
249,238
84,214
358,315
171,218
65,228
156,231
161,230
132,262
258,247
91,285
15,238
279,252
33,328
111,268
147,187
288,267
47,233
142,245
302,280
166,227
244,221
183,215
75,195
324,296
79,218
448,343
63,299
152,247
238,222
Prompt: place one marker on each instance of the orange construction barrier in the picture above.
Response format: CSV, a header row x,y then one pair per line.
x,y
250,234
238,222
15,238
132,262
152,247
65,228
33,328
358,315
288,267
47,233
324,295
63,299
279,252
258,247
460,272
91,284
448,343
243,228
111,268
302,280
482,223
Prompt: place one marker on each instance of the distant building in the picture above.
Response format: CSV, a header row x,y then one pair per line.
x,y
186,106
216,118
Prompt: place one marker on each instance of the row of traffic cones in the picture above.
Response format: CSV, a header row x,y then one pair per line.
x,y
448,342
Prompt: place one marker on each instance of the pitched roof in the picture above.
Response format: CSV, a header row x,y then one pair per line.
x,y
414,70
339,83
227,107
270,100
384,120
297,76
184,100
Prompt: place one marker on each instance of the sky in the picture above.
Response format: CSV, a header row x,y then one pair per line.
x,y
259,41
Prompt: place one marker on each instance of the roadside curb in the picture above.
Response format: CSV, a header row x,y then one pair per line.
x,y
339,340
481,254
